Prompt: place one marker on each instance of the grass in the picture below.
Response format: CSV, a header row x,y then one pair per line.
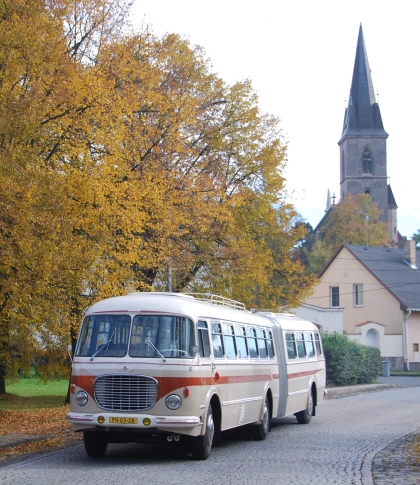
x,y
32,394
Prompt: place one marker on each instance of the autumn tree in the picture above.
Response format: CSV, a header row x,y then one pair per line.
x,y
355,220
124,159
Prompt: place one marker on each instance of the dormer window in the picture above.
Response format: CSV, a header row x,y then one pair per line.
x,y
366,161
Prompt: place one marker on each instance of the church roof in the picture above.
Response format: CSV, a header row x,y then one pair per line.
x,y
362,115
391,199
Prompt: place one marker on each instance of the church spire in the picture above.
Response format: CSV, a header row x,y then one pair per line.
x,y
362,115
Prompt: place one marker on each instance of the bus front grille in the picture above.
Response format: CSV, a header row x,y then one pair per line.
x,y
125,393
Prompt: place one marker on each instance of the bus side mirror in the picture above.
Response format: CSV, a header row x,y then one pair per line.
x,y
69,349
195,349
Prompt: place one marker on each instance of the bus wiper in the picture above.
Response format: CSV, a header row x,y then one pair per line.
x,y
155,349
105,345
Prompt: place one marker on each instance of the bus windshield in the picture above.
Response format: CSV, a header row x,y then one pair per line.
x,y
172,336
109,336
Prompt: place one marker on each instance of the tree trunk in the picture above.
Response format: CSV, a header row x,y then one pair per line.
x,y
2,379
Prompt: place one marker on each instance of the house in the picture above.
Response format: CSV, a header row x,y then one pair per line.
x,y
378,289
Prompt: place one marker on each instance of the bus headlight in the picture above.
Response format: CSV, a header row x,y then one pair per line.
x,y
82,398
173,402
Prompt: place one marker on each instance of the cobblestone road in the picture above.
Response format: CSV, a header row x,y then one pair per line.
x,y
336,448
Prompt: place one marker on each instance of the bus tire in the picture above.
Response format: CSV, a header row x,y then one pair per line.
x,y
201,445
95,443
260,431
304,417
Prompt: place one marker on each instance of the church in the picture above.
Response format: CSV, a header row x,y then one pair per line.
x,y
363,155
370,293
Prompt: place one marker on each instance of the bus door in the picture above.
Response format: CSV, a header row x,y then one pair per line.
x,y
280,410
297,371
207,367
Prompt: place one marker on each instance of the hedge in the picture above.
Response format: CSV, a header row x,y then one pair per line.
x,y
349,362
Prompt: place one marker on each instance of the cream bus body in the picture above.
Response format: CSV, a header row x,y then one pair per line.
x,y
151,366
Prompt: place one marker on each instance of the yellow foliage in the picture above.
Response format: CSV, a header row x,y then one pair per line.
x,y
123,156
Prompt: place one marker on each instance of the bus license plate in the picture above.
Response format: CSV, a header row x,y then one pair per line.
x,y
123,420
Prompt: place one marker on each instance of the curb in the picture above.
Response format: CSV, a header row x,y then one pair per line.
x,y
338,392
9,440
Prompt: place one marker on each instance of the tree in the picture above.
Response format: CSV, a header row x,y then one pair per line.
x,y
123,156
355,220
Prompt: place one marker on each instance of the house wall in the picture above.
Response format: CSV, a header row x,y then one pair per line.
x,y
379,307
391,346
414,338
328,319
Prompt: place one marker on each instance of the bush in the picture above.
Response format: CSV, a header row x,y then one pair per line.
x,y
349,362
371,365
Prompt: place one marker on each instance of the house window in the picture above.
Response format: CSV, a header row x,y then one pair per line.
x,y
415,347
358,295
335,296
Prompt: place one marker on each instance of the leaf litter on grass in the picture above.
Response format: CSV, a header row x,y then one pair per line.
x,y
46,422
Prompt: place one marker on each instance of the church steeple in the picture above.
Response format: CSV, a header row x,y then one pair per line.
x,y
362,115
363,161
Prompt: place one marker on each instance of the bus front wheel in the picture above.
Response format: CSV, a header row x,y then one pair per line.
x,y
201,445
95,443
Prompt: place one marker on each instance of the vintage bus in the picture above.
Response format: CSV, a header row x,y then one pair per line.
x,y
164,366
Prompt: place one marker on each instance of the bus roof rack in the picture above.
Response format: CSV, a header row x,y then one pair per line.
x,y
218,300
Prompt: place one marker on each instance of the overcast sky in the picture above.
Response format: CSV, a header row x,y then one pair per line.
x,y
299,56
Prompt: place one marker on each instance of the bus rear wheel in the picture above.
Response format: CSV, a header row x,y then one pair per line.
x,y
95,443
260,431
304,417
201,445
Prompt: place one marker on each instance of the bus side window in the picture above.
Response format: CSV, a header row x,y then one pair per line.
x,y
241,342
270,345
318,344
252,342
229,341
300,343
203,339
216,339
261,343
309,341
290,344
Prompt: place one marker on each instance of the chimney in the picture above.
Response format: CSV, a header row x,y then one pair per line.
x,y
410,253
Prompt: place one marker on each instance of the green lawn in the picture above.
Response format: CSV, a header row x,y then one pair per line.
x,y
34,394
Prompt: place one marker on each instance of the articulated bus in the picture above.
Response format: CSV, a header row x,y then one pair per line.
x,y
152,367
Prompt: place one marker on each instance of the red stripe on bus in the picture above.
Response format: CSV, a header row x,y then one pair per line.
x,y
84,382
170,384
303,374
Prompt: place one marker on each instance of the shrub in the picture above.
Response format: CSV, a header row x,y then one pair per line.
x,y
371,365
349,362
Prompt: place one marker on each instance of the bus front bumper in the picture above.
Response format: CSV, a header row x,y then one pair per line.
x,y
138,421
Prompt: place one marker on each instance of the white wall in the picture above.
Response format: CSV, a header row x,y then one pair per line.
x,y
328,319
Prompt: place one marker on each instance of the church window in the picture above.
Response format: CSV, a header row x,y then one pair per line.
x,y
343,166
366,161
